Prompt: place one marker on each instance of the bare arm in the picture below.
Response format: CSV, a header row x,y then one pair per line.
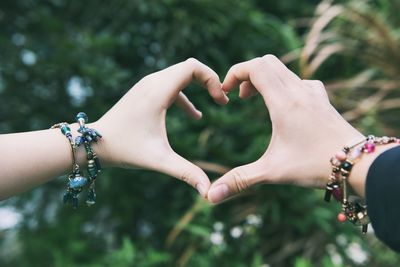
x,y
134,135
32,158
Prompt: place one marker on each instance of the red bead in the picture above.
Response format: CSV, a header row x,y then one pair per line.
x,y
369,147
337,193
341,217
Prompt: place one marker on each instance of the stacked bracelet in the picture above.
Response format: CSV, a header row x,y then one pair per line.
x,y
76,181
342,163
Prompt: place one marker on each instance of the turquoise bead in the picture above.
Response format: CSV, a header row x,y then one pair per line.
x,y
82,115
65,129
78,182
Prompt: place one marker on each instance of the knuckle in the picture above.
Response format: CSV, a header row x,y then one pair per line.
x,y
212,78
315,87
192,61
185,177
320,88
240,180
270,58
233,69
258,64
318,84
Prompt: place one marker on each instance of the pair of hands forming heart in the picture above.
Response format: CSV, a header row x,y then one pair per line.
x,y
307,130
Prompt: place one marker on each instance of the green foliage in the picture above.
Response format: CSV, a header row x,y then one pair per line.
x,y
144,218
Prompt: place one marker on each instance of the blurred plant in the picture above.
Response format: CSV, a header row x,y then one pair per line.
x,y
365,36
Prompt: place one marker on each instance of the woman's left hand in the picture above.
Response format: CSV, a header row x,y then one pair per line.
x,y
134,130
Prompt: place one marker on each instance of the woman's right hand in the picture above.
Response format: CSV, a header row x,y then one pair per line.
x,y
307,130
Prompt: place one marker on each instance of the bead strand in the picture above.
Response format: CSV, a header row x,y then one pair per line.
x,y
342,163
76,181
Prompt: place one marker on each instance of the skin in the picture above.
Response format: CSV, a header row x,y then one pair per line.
x,y
307,132
134,135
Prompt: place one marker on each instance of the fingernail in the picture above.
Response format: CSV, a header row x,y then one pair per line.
x,y
218,193
202,189
226,99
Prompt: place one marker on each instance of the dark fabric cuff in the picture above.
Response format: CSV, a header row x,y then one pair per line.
x,y
382,193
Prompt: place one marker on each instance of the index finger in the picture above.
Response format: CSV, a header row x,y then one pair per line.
x,y
176,77
262,72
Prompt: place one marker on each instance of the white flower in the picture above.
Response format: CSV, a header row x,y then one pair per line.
x,y
18,39
28,57
217,238
78,91
253,219
236,232
335,256
341,240
356,253
218,226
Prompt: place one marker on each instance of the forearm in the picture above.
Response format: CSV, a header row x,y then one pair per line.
x,y
32,158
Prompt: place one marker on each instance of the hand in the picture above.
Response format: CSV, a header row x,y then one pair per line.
x,y
307,130
134,131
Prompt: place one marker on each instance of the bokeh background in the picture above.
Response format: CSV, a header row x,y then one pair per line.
x,y
59,57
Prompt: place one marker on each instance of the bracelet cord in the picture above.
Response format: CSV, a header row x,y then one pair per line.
x,y
353,208
76,180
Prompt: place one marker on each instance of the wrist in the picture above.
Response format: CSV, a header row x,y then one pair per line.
x,y
359,172
98,147
349,171
340,137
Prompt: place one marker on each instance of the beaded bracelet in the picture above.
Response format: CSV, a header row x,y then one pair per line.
x,y
93,168
353,208
76,181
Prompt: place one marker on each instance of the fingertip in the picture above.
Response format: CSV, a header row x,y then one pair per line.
x,y
222,100
226,99
197,115
218,193
242,95
202,189
184,170
226,88
203,186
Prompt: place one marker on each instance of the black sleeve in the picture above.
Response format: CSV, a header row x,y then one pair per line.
x,y
382,193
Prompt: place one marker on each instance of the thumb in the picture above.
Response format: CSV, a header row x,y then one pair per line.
x,y
184,170
235,181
